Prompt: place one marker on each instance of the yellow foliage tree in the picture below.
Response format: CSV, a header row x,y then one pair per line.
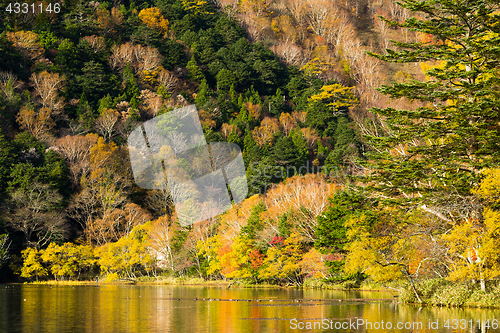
x,y
337,96
264,133
209,249
196,7
28,43
282,263
32,264
259,7
235,264
68,259
128,255
38,123
313,264
475,246
386,246
316,66
152,18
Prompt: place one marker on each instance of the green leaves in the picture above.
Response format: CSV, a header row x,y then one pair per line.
x,y
434,152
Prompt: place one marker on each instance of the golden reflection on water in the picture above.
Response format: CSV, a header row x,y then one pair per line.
x,y
126,308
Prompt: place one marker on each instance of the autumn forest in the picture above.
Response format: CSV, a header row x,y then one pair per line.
x,y
369,131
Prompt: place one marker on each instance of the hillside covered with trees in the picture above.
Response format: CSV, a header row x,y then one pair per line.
x,y
345,182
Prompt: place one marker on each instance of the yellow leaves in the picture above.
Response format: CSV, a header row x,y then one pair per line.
x,y
149,77
402,77
476,248
37,122
264,134
210,249
253,110
109,21
316,66
128,254
67,259
124,257
313,264
101,156
235,263
27,43
287,122
32,265
384,247
152,18
489,189
259,7
283,263
284,27
337,95
427,66
196,7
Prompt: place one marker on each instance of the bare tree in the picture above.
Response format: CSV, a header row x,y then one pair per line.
x,y
47,86
152,102
167,80
76,150
106,123
34,214
4,249
162,238
115,223
141,58
97,43
289,53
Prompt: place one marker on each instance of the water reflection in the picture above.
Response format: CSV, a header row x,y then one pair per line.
x,y
193,309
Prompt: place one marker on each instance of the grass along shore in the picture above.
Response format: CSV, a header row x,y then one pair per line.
x,y
433,292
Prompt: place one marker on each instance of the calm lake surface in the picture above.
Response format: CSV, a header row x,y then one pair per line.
x,y
130,308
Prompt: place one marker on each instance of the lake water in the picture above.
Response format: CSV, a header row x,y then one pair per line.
x,y
196,309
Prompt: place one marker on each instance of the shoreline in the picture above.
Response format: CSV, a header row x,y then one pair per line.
x,y
442,294
209,283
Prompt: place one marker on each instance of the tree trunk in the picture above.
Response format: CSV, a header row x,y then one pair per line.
x,y
481,279
415,291
408,275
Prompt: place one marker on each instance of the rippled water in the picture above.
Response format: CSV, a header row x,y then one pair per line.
x,y
195,309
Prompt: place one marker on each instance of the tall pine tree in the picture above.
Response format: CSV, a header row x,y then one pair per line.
x,y
432,155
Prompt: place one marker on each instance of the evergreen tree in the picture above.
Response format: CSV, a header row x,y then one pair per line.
x,y
251,151
331,230
254,224
7,158
345,145
105,103
232,93
202,95
131,89
300,143
94,82
84,111
432,155
284,153
195,72
284,226
67,56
